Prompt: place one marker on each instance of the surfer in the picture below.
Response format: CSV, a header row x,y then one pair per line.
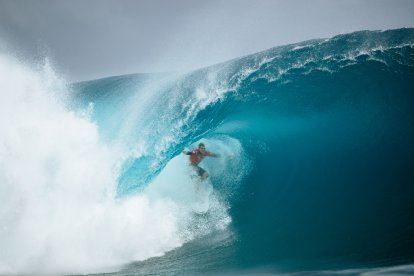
x,y
196,156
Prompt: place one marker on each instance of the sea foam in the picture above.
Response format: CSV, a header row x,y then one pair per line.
x,y
59,212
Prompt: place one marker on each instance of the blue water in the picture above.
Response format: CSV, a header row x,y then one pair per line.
x,y
322,139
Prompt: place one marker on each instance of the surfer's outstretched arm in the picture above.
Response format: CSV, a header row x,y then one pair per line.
x,y
212,154
187,152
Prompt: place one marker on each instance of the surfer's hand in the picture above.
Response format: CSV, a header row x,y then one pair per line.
x,y
185,152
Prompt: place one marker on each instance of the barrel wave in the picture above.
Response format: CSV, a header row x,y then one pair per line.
x,y
316,169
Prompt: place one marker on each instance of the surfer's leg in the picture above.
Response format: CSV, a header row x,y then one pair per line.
x,y
204,176
202,173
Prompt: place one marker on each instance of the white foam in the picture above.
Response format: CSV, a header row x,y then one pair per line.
x,y
58,209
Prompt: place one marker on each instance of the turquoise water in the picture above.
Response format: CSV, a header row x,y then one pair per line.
x,y
316,170
326,128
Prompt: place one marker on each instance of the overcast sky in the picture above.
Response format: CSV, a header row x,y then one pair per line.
x,y
88,39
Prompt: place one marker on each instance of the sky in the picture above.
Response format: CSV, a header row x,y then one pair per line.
x,y
90,39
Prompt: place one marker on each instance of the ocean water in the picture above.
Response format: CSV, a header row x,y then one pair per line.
x,y
315,177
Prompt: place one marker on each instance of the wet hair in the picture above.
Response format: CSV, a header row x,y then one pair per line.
x,y
201,145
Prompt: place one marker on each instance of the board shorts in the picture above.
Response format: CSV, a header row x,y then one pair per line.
x,y
200,171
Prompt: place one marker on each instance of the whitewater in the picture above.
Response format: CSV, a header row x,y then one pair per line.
x,y
315,173
59,208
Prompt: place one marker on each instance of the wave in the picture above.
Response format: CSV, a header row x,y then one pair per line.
x,y
317,157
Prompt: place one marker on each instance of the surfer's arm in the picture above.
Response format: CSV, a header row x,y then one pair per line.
x,y
211,154
187,152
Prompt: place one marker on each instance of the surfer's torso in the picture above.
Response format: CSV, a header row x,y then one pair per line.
x,y
196,156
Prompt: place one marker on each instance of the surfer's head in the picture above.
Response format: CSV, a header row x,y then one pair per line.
x,y
201,147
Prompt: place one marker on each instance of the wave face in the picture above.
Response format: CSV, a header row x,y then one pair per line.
x,y
316,169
